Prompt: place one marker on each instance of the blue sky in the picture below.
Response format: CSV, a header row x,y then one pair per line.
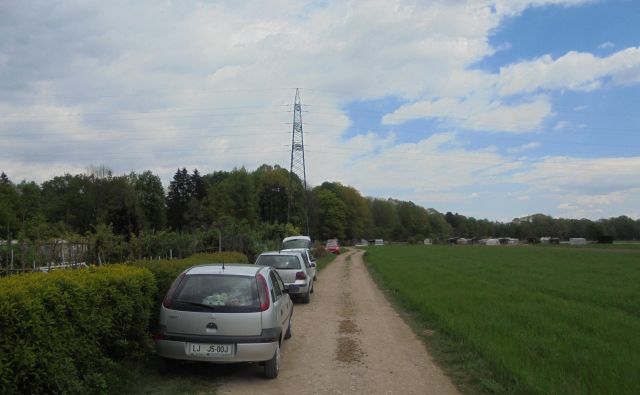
x,y
493,109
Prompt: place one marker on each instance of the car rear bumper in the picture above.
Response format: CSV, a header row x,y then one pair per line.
x,y
298,289
245,348
243,352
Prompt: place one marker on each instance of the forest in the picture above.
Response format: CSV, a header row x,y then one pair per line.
x,y
133,216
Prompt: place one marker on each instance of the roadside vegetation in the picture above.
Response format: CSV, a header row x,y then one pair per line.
x,y
89,330
522,319
98,217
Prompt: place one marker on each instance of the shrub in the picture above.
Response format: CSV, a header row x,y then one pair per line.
x,y
61,332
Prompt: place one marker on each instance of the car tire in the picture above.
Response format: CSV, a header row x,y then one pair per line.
x,y
307,297
313,283
272,366
288,333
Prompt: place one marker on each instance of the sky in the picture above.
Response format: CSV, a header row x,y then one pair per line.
x,y
492,109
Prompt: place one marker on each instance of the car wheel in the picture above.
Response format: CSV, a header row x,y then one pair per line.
x,y
307,297
312,286
272,366
288,334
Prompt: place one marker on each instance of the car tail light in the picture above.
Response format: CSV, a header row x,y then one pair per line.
x,y
158,336
167,299
301,276
263,292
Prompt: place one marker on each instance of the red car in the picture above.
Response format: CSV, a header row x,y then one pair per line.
x,y
333,246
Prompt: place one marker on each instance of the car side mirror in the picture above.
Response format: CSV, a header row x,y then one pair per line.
x,y
313,264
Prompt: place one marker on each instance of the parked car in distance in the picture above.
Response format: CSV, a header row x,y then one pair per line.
x,y
293,270
296,242
225,314
332,246
309,260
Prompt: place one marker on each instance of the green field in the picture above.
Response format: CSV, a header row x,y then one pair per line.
x,y
523,319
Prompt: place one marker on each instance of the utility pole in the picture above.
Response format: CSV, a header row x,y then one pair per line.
x,y
297,162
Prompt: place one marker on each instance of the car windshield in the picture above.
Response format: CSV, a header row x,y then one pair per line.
x,y
217,292
279,261
296,243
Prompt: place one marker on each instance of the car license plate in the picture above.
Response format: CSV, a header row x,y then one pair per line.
x,y
209,350
293,288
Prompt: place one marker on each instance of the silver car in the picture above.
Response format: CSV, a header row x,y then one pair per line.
x,y
309,259
294,270
226,314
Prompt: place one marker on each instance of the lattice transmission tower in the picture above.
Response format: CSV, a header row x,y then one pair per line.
x,y
297,163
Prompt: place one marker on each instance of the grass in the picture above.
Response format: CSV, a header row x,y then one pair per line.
x,y
183,379
321,263
615,246
522,319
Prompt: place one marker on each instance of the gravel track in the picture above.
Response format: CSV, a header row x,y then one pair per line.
x,y
347,340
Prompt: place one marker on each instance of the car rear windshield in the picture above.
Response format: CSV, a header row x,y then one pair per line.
x,y
279,261
296,243
217,292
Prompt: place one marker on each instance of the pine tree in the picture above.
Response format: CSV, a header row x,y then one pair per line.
x,y
4,179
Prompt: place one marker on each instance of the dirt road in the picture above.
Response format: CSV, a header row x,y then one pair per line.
x,y
347,340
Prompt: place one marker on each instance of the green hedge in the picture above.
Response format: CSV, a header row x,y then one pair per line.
x,y
61,332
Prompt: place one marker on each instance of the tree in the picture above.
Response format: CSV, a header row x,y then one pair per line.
x,y
413,219
9,208
358,218
68,200
271,184
384,218
151,199
4,180
178,199
331,214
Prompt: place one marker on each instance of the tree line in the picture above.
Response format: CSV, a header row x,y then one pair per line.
x,y
132,215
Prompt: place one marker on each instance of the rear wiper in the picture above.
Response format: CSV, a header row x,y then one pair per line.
x,y
196,304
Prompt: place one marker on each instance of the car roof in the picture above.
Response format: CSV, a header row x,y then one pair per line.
x,y
296,238
282,252
300,250
238,269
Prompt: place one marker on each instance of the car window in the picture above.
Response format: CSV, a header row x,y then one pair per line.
x,y
296,243
215,292
279,261
276,287
280,282
305,259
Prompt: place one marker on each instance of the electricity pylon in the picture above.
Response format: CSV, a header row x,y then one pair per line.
x,y
297,161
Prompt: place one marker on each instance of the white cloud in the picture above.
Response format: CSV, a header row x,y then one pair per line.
x,y
560,125
524,147
606,45
477,114
574,71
